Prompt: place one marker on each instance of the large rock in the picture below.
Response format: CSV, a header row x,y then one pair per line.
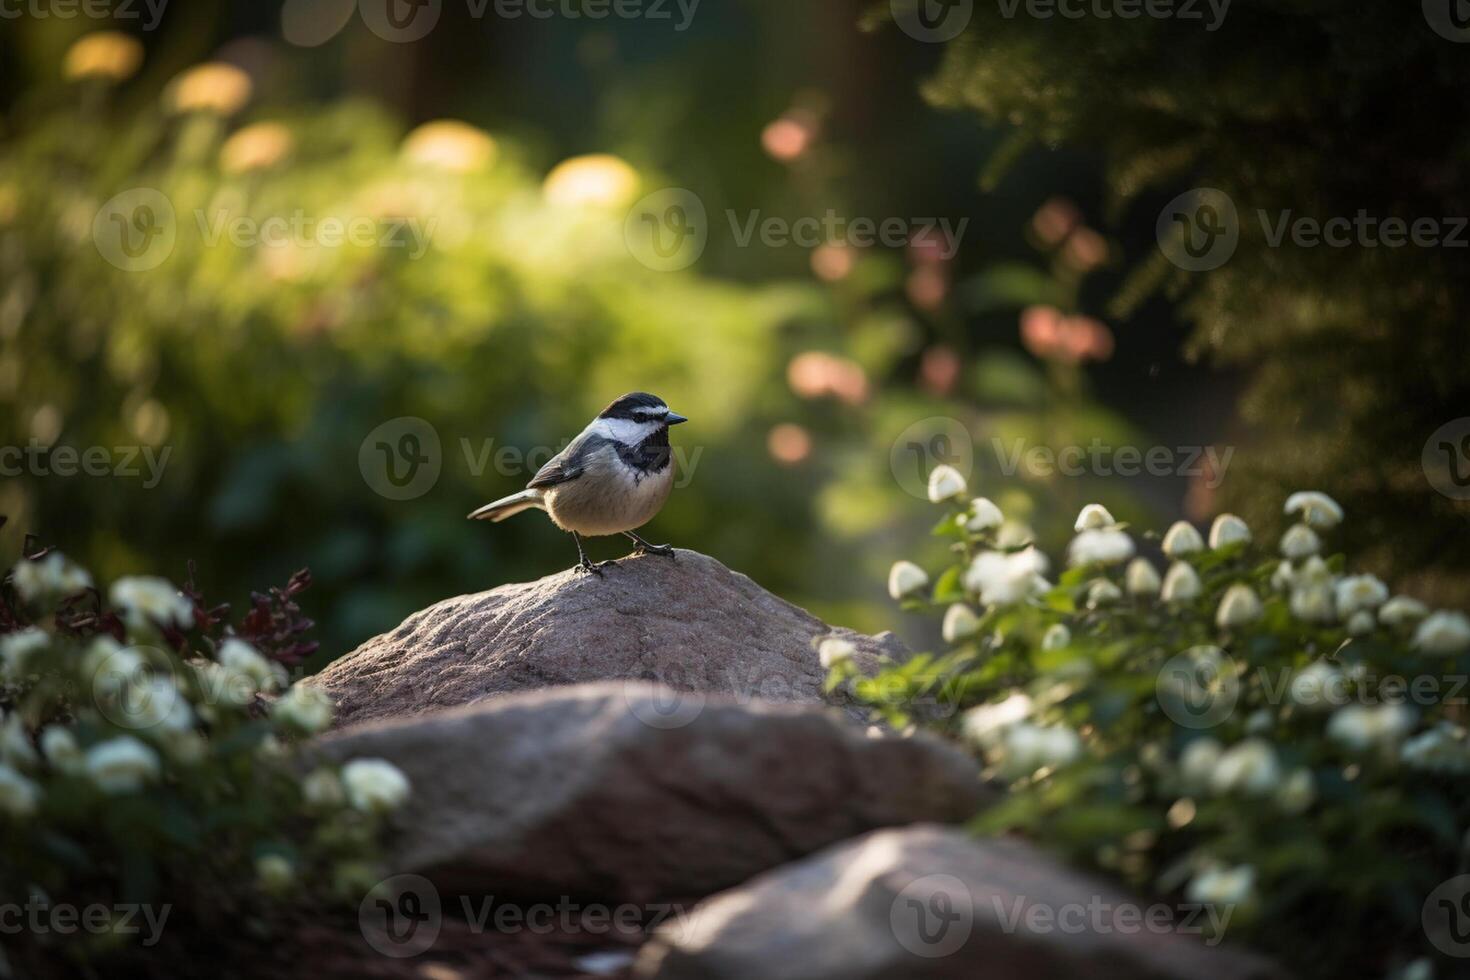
x,y
690,624
928,903
624,791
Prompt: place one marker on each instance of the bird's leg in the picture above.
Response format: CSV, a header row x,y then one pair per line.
x,y
644,548
589,566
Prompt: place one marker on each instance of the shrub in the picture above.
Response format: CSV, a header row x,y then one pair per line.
x,y
143,760
1270,735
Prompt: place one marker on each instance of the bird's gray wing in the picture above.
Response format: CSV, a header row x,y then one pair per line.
x,y
568,464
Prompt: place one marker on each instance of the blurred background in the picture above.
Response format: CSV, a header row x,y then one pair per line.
x,y
184,378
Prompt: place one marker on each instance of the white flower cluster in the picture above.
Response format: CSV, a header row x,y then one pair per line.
x,y
146,602
1250,768
49,578
1015,745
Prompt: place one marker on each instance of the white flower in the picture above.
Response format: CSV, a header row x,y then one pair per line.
x,y
984,725
1005,579
15,744
984,515
1101,547
121,765
945,483
1181,583
1360,592
223,686
1317,509
1443,632
1102,593
322,789
374,785
1300,542
1141,578
1027,748
237,655
51,577
960,622
108,666
17,650
1284,577
1312,603
1182,539
1228,529
18,794
1197,763
1056,637
833,651
906,578
1239,607
1318,686
1014,534
1314,571
60,748
1094,517
274,872
1441,749
146,600
1359,726
1402,610
308,709
1250,767
1361,623
153,702
1298,792
1223,886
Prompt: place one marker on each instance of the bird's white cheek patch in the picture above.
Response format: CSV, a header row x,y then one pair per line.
x,y
626,431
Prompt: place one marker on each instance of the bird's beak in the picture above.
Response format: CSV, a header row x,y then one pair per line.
x,y
674,419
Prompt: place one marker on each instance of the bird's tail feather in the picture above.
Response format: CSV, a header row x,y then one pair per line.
x,y
509,506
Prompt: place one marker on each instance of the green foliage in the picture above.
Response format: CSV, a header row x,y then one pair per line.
x,y
1312,109
1276,738
146,758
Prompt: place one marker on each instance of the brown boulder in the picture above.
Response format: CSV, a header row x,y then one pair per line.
x,y
929,903
598,790
690,624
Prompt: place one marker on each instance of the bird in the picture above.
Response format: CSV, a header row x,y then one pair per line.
x,y
612,479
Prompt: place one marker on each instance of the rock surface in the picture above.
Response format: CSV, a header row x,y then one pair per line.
x,y
690,624
627,791
925,903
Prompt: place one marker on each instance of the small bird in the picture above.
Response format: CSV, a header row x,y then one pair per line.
x,y
611,479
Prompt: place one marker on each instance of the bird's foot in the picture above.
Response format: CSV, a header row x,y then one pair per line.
x,y
596,567
664,550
